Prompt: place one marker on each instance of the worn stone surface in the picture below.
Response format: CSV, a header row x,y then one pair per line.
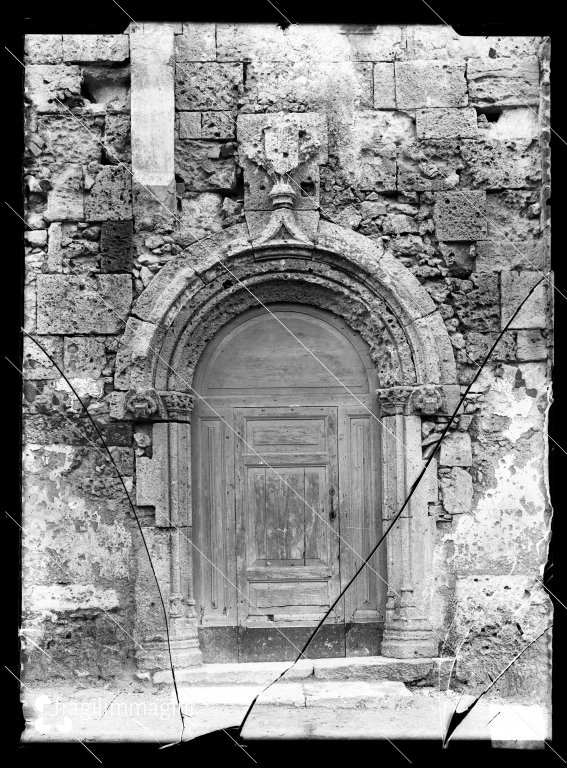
x,y
53,87
460,215
100,49
116,246
201,167
446,123
65,201
110,197
508,81
197,43
43,49
69,141
70,305
456,491
206,86
430,84
515,286
384,86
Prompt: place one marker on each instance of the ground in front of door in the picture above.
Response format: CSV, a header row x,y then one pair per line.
x,y
327,698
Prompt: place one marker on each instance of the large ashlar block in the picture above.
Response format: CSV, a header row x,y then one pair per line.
x,y
506,81
110,198
52,87
446,123
430,84
496,164
197,43
514,288
68,140
73,305
153,107
308,85
460,215
43,49
65,201
456,450
202,86
99,49
456,491
384,82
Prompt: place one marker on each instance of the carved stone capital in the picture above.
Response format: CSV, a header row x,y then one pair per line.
x,y
393,400
178,405
143,404
428,400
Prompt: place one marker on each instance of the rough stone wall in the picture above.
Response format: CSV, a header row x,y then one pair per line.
x,y
437,150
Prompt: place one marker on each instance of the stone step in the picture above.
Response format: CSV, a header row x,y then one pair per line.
x,y
431,671
310,694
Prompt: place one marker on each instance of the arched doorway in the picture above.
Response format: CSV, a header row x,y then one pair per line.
x,y
286,496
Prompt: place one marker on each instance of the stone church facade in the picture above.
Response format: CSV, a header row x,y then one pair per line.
x,y
270,261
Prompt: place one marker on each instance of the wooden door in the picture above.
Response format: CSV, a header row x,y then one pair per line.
x,y
287,529
285,490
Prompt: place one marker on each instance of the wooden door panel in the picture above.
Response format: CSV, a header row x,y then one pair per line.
x,y
289,571
360,518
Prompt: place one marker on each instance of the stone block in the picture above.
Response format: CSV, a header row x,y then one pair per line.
x,y
72,305
65,200
495,164
202,168
203,86
477,304
84,356
460,215
375,43
456,450
200,214
502,254
384,85
514,288
197,43
370,668
68,140
36,365
116,140
531,345
110,197
511,216
506,81
43,49
306,85
46,85
99,49
446,123
116,246
218,125
456,491
428,165
422,84
189,125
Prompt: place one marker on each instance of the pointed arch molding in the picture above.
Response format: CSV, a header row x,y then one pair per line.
x,y
193,297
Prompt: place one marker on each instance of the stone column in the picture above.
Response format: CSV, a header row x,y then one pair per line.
x,y
409,544
163,481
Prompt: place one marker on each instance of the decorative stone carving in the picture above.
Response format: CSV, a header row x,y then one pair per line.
x,y
178,405
143,403
393,400
428,400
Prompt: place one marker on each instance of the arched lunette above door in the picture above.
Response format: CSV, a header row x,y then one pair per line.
x,y
345,274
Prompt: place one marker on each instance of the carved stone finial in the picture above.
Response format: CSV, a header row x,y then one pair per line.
x,y
282,194
428,400
142,403
179,405
393,400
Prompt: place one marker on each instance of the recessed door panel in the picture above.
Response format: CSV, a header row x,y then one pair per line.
x,y
288,569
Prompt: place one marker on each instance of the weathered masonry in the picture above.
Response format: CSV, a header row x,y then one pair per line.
x,y
270,261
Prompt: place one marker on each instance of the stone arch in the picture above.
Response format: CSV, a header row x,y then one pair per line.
x,y
194,296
